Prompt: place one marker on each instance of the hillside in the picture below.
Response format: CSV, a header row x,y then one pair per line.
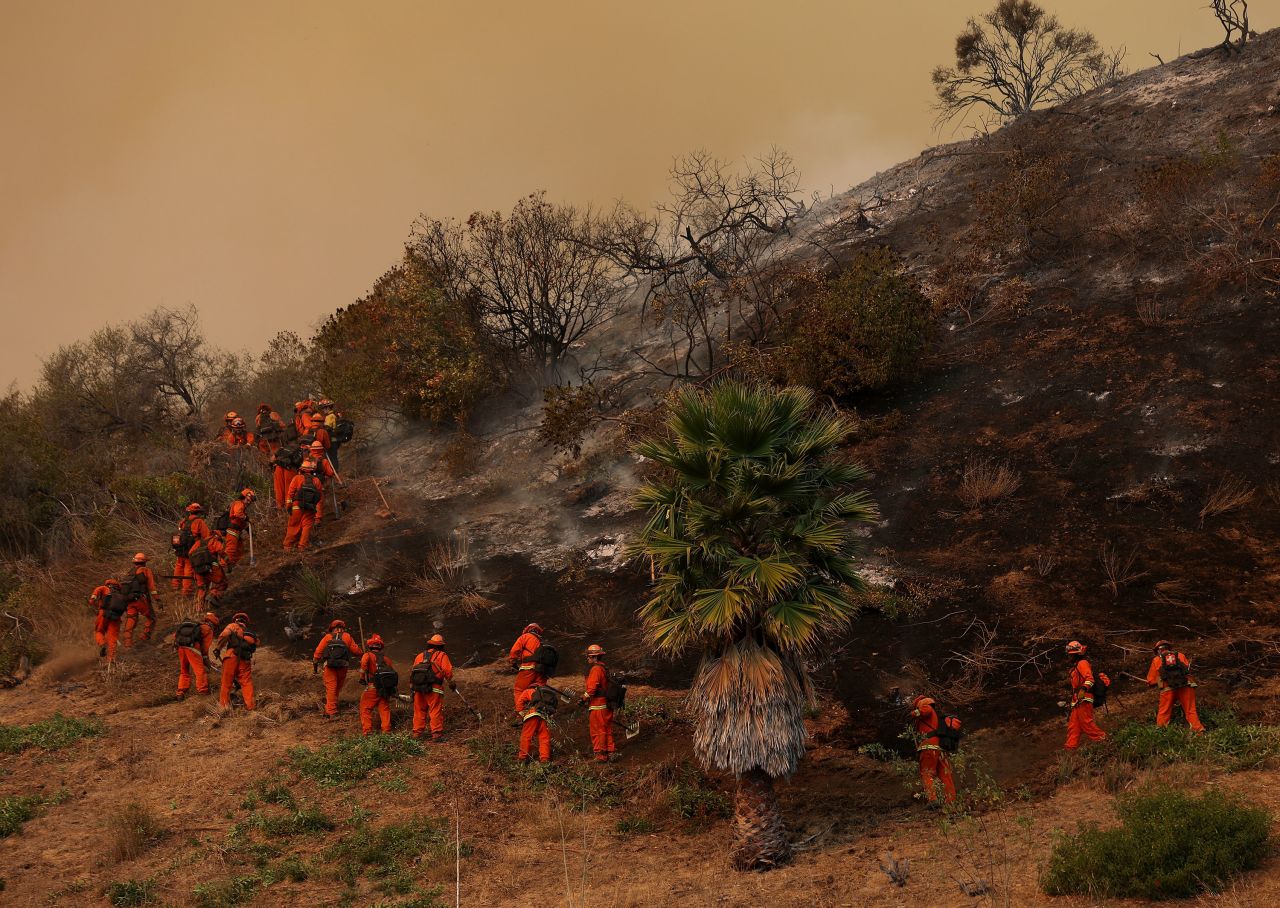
x,y
1090,452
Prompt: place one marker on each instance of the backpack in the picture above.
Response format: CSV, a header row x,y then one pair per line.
x,y
546,659
184,539
308,497
343,431
1101,686
115,605
290,433
1173,673
423,677
202,560
336,654
304,441
949,733
385,679
223,522
187,634
615,695
135,587
243,644
544,701
270,430
289,458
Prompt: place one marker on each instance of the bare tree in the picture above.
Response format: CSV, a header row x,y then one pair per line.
x,y
1019,57
1234,18
709,252
541,284
171,356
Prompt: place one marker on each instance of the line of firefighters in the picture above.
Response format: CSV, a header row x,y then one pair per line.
x,y
938,735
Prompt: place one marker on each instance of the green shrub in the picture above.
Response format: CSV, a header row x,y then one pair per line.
x,y
303,821
1169,845
635,826
1226,743
221,893
692,797
131,892
51,734
384,852
16,810
865,329
352,759
266,791
292,868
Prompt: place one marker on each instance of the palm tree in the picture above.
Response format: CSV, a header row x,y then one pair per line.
x,y
750,532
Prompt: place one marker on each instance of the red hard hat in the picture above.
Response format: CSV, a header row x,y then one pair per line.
x,y
231,414
595,649
336,623
111,581
140,558
212,618
248,494
375,642
1163,644
1076,648
195,507
921,700
240,618
533,628
436,640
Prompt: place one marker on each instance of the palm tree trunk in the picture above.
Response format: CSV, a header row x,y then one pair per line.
x,y
761,837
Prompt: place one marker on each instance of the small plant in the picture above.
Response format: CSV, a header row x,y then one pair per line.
x,y
16,810
1226,743
1119,570
1169,845
1229,494
383,853
292,868
352,759
126,893
461,457
221,893
984,481
303,821
131,828
314,593
691,797
635,826
266,791
51,734
594,615
1151,312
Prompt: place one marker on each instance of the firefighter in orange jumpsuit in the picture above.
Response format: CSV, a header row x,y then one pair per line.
x,y
106,627
1171,671
521,657
301,416
304,503
324,466
236,645
238,525
191,529
1083,681
269,428
430,703
370,700
239,435
285,464
225,433
316,429
336,650
593,694
211,584
534,725
144,603
192,640
934,765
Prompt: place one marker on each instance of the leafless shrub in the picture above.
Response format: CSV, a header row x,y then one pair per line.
x,y
1174,593
1230,493
461,457
130,830
1245,250
1273,491
1045,565
1119,569
1151,312
595,616
1233,16
984,481
898,870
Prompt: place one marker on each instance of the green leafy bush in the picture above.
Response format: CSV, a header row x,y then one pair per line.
x,y
384,852
1226,743
51,734
127,893
352,759
16,810
221,893
865,329
692,797
1169,845
302,821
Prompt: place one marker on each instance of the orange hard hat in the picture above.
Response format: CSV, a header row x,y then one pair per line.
x,y
140,558
316,420
1163,644
240,618
336,623
211,618
436,640
1076,648
298,405
111,581
231,414
316,446
595,649
533,628
375,642
308,466
921,700
195,507
248,494
325,402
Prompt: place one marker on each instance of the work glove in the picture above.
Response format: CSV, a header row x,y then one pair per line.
x,y
453,687
1063,704
315,667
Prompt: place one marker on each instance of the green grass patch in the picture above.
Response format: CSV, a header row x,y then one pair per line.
x,y
302,821
221,893
383,854
16,810
576,781
126,893
1168,845
635,826
1226,743
692,797
292,869
352,759
269,791
51,734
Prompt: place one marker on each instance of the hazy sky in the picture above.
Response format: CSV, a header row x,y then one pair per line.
x,y
264,160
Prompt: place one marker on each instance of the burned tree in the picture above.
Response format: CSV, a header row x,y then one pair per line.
x,y
1233,15
1019,57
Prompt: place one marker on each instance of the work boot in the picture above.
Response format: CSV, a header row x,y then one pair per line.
x,y
437,739
102,650
180,695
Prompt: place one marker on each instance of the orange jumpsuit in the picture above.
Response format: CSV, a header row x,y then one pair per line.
x,y
214,583
301,523
1081,720
432,704
534,727
238,438
141,606
238,525
281,477
105,632
601,716
191,660
334,678
1183,696
302,417
233,667
324,469
269,445
934,765
527,676
183,578
370,700
320,433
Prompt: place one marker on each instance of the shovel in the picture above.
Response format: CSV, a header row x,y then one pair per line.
x,y
253,560
630,731
385,512
478,715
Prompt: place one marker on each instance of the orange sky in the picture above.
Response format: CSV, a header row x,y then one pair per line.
x,y
264,160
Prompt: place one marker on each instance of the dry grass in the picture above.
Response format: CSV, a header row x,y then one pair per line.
x,y
1151,312
1118,569
1174,593
985,481
130,830
444,577
1045,565
1229,494
595,616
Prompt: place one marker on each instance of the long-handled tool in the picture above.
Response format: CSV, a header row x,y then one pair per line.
x,y
566,696
253,560
479,716
386,507
631,730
